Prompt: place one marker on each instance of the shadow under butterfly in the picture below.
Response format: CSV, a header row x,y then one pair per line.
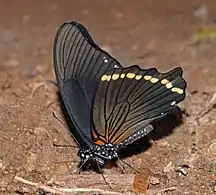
x,y
162,128
109,106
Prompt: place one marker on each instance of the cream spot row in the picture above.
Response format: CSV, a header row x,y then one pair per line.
x,y
165,82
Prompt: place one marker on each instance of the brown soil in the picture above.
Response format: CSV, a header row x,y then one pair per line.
x,y
149,33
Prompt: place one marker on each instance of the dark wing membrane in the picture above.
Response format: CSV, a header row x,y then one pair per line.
x,y
129,99
79,63
77,56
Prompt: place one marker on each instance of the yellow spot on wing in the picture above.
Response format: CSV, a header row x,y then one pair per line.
x,y
115,76
177,90
138,77
130,75
164,81
147,77
104,78
154,80
108,77
169,85
122,76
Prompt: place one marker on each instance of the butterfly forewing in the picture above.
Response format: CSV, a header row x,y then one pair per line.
x,y
79,64
128,100
77,56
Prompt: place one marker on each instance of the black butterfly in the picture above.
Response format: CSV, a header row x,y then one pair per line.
x,y
109,105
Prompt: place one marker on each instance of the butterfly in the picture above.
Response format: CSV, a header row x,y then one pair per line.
x,y
110,106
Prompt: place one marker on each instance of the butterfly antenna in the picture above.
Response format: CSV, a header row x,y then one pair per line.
x,y
101,172
122,165
59,120
79,170
62,145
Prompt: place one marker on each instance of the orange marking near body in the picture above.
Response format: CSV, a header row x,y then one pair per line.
x,y
99,142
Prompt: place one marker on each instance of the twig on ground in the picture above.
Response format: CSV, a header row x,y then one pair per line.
x,y
168,189
63,190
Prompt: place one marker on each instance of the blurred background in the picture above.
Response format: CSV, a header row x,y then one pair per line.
x,y
151,33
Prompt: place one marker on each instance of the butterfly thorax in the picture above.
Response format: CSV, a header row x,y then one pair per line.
x,y
100,154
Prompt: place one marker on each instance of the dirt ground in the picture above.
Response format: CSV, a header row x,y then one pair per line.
x,y
181,158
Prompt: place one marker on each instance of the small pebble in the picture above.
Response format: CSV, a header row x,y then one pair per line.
x,y
154,180
182,170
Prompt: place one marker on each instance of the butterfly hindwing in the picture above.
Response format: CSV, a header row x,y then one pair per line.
x,y
128,100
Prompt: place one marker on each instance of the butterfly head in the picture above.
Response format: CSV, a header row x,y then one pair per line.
x,y
99,154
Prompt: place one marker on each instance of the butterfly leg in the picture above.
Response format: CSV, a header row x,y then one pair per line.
x,y
122,166
79,170
101,172
123,162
